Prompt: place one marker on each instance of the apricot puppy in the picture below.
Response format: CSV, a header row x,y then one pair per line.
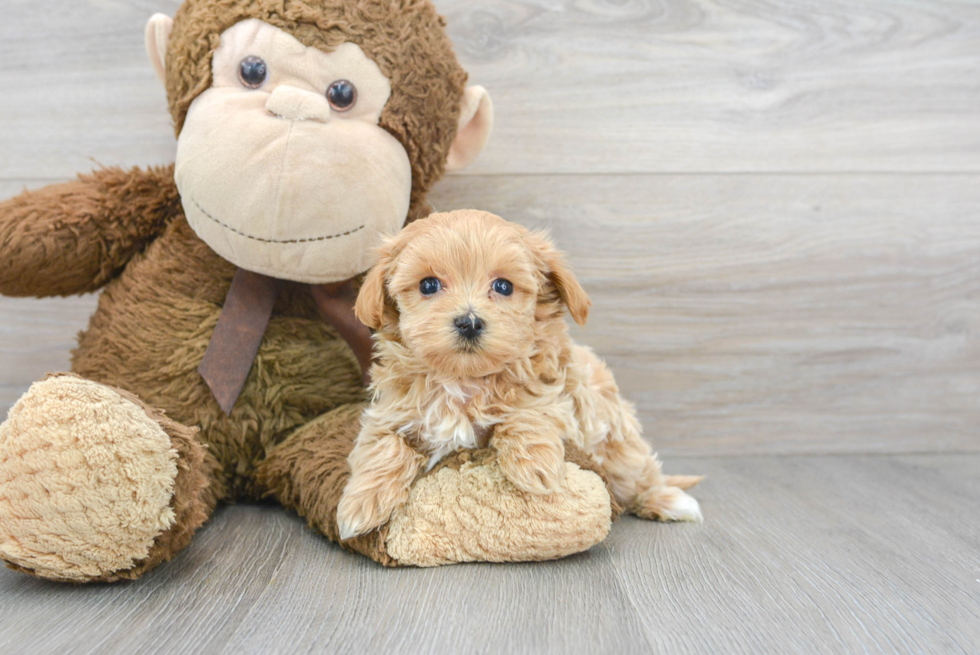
x,y
472,347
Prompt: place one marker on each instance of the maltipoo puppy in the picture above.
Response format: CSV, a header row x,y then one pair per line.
x,y
472,348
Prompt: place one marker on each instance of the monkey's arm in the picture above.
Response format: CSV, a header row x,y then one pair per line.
x,y
73,238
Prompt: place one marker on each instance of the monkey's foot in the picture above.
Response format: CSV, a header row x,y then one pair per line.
x,y
467,511
94,485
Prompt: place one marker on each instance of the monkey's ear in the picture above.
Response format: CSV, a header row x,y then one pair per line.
x,y
475,125
158,31
560,274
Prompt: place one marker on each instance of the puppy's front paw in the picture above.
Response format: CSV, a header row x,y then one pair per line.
x,y
360,513
537,468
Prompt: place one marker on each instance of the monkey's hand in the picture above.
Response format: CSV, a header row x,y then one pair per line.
x,y
383,468
75,237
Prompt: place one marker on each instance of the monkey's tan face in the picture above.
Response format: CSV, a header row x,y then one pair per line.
x,y
281,164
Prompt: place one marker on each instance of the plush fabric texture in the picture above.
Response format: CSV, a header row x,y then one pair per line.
x,y
406,38
193,498
86,481
151,330
475,125
313,190
74,237
463,510
148,335
308,471
163,288
156,37
456,514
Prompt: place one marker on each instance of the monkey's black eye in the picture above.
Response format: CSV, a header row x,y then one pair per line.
x,y
253,72
429,286
503,287
342,95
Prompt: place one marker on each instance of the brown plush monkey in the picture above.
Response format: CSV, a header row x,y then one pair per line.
x,y
306,129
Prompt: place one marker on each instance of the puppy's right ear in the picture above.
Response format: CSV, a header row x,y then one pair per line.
x,y
370,305
373,302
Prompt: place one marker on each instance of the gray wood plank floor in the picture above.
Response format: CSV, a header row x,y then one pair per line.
x,y
776,208
835,554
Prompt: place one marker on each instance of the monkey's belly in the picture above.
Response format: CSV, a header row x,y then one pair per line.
x,y
149,335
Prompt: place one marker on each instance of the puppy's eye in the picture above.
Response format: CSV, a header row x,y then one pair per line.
x,y
503,287
429,286
253,72
342,95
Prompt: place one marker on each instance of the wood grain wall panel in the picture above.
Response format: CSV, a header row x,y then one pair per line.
x,y
748,313
588,86
742,313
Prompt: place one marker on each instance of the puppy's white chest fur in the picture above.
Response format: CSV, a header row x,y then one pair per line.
x,y
453,420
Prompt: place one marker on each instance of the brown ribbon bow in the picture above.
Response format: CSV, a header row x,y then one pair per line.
x,y
245,317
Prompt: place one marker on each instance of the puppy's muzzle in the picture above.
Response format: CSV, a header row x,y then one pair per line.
x,y
470,326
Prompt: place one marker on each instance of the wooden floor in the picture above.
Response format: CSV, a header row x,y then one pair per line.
x,y
798,554
776,208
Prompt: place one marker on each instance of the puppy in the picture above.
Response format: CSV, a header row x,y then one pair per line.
x,y
472,347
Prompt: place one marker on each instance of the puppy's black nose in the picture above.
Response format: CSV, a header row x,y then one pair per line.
x,y
470,327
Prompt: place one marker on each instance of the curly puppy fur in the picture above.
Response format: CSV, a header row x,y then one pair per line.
x,y
519,384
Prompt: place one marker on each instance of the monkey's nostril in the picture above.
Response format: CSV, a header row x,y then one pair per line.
x,y
470,326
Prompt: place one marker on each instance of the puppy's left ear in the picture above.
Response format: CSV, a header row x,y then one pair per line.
x,y
557,270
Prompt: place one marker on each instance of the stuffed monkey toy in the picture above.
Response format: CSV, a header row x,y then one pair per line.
x,y
223,363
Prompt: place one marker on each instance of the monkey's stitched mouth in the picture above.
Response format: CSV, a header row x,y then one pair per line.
x,y
284,241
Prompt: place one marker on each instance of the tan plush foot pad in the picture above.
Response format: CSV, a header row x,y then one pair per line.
x,y
86,481
473,513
